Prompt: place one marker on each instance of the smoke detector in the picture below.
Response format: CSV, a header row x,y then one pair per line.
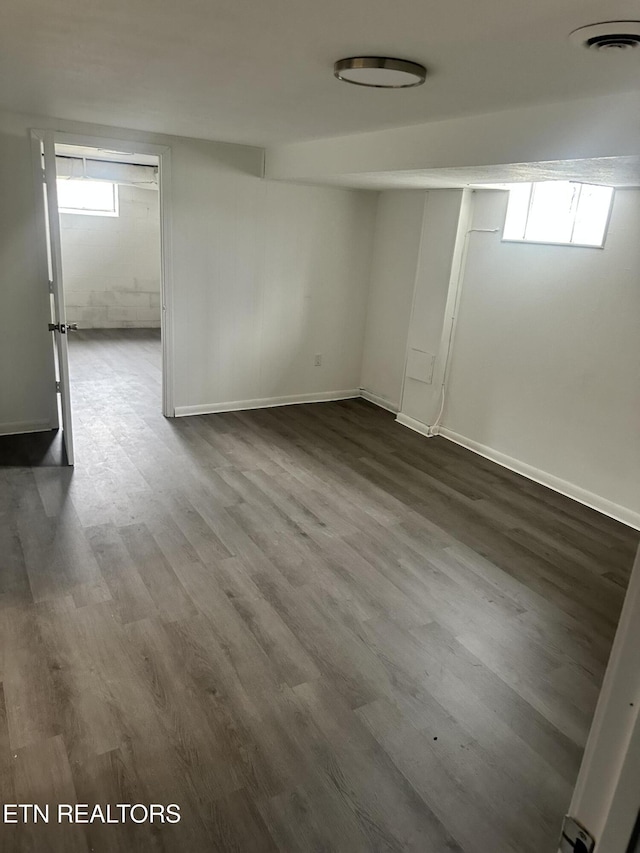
x,y
609,35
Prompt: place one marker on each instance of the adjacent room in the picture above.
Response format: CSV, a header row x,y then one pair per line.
x,y
110,235
109,210
319,446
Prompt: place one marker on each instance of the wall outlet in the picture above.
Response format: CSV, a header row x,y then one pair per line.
x,y
317,361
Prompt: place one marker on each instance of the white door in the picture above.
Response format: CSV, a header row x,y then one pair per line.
x,y
45,156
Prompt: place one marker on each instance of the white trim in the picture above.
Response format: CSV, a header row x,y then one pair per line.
x,y
416,426
266,402
378,401
607,507
166,283
163,153
18,427
547,243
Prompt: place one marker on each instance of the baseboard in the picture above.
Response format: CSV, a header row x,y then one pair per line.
x,y
378,401
570,490
19,427
416,426
266,402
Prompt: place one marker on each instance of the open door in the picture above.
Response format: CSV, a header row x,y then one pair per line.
x,y
45,171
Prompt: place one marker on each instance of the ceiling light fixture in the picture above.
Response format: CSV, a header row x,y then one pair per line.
x,y
380,72
609,35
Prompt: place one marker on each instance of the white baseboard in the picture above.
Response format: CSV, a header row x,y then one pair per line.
x,y
570,490
416,426
378,401
266,402
18,427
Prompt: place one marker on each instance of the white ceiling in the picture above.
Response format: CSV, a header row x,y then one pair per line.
x,y
260,71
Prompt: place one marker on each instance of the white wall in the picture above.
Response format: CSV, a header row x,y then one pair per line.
x,y
253,263
546,359
394,261
111,264
544,374
282,275
432,304
413,255
317,255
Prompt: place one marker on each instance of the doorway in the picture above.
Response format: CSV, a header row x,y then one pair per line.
x,y
109,209
106,215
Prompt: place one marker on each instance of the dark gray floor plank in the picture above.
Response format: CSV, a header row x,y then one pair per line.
x,y
308,626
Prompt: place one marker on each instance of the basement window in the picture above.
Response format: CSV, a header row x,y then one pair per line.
x,y
91,198
559,212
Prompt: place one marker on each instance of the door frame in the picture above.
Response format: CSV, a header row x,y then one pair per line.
x,y
163,153
606,798
36,137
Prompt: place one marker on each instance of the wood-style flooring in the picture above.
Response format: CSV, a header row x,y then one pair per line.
x,y
309,627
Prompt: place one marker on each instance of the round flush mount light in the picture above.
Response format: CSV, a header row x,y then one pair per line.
x,y
609,36
380,72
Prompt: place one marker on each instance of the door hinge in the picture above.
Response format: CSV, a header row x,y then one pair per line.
x,y
575,838
50,287
57,386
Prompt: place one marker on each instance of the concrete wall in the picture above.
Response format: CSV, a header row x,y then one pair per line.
x,y
111,264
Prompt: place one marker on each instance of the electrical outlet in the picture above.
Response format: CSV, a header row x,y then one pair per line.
x,y
317,361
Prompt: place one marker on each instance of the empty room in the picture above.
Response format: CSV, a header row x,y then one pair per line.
x,y
320,427
109,213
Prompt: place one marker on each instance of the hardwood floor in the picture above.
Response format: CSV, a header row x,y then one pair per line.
x,y
309,627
